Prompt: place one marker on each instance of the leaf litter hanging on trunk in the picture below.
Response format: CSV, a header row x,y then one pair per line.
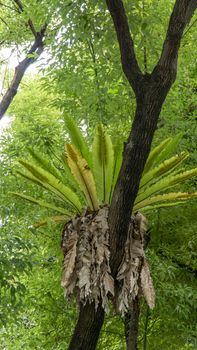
x,y
85,240
87,273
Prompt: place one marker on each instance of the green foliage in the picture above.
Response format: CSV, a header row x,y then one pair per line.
x,y
82,173
103,163
77,139
84,79
155,179
49,181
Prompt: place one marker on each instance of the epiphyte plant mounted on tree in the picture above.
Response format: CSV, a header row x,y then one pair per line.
x,y
84,213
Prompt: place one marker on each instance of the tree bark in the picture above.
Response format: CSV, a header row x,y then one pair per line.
x,y
132,324
151,91
88,328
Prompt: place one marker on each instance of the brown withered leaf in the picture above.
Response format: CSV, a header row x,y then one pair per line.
x,y
147,285
90,278
69,259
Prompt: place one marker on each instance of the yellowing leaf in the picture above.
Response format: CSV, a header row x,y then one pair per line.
x,y
81,171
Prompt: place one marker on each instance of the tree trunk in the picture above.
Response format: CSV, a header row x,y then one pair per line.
x,y
131,325
88,328
151,91
137,148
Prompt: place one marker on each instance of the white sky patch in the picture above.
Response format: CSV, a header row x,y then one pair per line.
x,y
5,123
10,57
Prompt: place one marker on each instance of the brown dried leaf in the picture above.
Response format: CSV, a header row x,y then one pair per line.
x,y
147,285
69,260
108,283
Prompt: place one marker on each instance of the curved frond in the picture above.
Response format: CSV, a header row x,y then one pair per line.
x,y
162,169
163,198
103,161
49,181
77,139
42,203
81,171
165,183
118,150
170,148
154,154
45,164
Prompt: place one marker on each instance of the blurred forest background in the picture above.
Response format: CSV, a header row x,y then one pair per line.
x,y
79,75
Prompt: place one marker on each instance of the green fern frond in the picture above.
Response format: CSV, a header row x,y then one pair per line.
x,y
118,150
42,203
163,205
47,180
82,173
167,197
154,154
103,161
45,164
170,148
162,169
77,139
165,183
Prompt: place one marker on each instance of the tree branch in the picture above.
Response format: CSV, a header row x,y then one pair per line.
x,y
188,29
129,62
29,22
180,17
2,20
9,7
32,55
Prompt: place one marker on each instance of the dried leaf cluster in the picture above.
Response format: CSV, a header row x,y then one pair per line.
x,y
134,274
86,263
87,274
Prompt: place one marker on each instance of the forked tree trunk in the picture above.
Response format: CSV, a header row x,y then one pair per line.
x,y
151,91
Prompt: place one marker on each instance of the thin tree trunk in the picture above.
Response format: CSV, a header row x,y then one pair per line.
x,y
146,328
88,328
131,325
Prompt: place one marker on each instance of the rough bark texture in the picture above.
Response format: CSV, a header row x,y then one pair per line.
x,y
131,325
87,329
151,91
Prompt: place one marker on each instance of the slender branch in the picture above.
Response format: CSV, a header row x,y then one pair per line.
x,y
129,62
19,4
3,20
144,44
29,22
32,55
188,29
181,15
146,328
101,105
9,7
